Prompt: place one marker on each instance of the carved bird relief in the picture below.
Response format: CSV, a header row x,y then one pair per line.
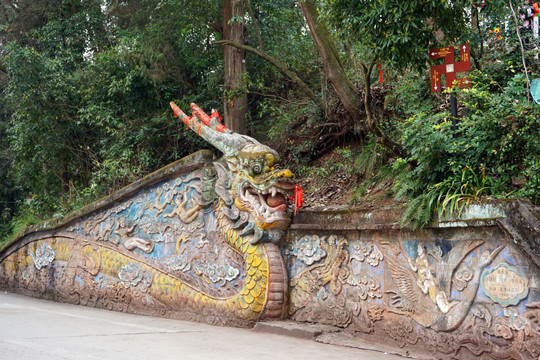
x,y
423,290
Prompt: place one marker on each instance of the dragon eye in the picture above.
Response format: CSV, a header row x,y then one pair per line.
x,y
256,168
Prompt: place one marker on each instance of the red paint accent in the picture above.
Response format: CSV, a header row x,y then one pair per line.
x,y
202,115
480,5
381,77
298,196
221,128
215,114
176,109
205,118
379,66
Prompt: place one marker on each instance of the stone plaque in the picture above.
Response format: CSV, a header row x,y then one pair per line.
x,y
505,284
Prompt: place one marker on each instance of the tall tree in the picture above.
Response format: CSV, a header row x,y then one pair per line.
x,y
235,100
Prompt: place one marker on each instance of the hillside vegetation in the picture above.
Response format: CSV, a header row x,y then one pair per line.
x,y
85,87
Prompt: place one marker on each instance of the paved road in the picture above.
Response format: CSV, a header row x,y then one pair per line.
x,y
42,330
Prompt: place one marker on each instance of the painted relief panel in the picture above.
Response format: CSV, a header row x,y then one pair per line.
x,y
195,240
457,299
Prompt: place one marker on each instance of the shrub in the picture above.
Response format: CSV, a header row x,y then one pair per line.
x,y
494,152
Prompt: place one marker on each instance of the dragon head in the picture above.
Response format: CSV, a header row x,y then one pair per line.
x,y
261,189
252,188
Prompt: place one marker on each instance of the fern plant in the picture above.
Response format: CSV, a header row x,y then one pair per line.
x,y
447,198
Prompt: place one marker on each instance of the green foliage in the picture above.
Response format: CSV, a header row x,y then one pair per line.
x,y
360,168
397,32
27,214
85,101
495,146
274,101
364,163
359,192
85,93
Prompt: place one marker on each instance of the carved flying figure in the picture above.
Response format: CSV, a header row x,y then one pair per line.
x,y
132,242
423,290
187,215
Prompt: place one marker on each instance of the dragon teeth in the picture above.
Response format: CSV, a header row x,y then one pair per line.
x,y
274,191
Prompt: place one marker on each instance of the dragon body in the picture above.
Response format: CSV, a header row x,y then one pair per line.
x,y
195,240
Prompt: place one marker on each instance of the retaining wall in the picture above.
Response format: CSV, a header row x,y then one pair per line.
x,y
464,287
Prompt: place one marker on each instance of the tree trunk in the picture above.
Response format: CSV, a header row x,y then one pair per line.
x,y
330,57
235,99
366,72
280,66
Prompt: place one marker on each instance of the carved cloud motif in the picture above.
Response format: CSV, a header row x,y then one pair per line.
x,y
307,249
131,275
216,272
362,251
462,276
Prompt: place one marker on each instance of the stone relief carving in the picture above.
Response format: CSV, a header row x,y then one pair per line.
x,y
176,263
505,284
333,289
418,294
129,241
422,291
462,276
427,280
365,286
195,240
131,275
401,332
307,249
363,251
43,257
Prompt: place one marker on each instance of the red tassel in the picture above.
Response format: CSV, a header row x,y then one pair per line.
x,y
298,198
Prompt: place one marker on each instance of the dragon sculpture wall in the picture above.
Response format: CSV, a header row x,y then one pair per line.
x,y
195,240
459,294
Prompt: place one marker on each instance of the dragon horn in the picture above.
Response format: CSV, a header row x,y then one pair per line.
x,y
213,121
179,113
227,142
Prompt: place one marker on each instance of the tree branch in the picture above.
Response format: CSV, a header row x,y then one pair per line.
x,y
331,60
255,25
280,66
522,50
3,67
366,71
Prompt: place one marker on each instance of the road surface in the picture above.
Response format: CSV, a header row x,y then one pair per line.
x,y
42,330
